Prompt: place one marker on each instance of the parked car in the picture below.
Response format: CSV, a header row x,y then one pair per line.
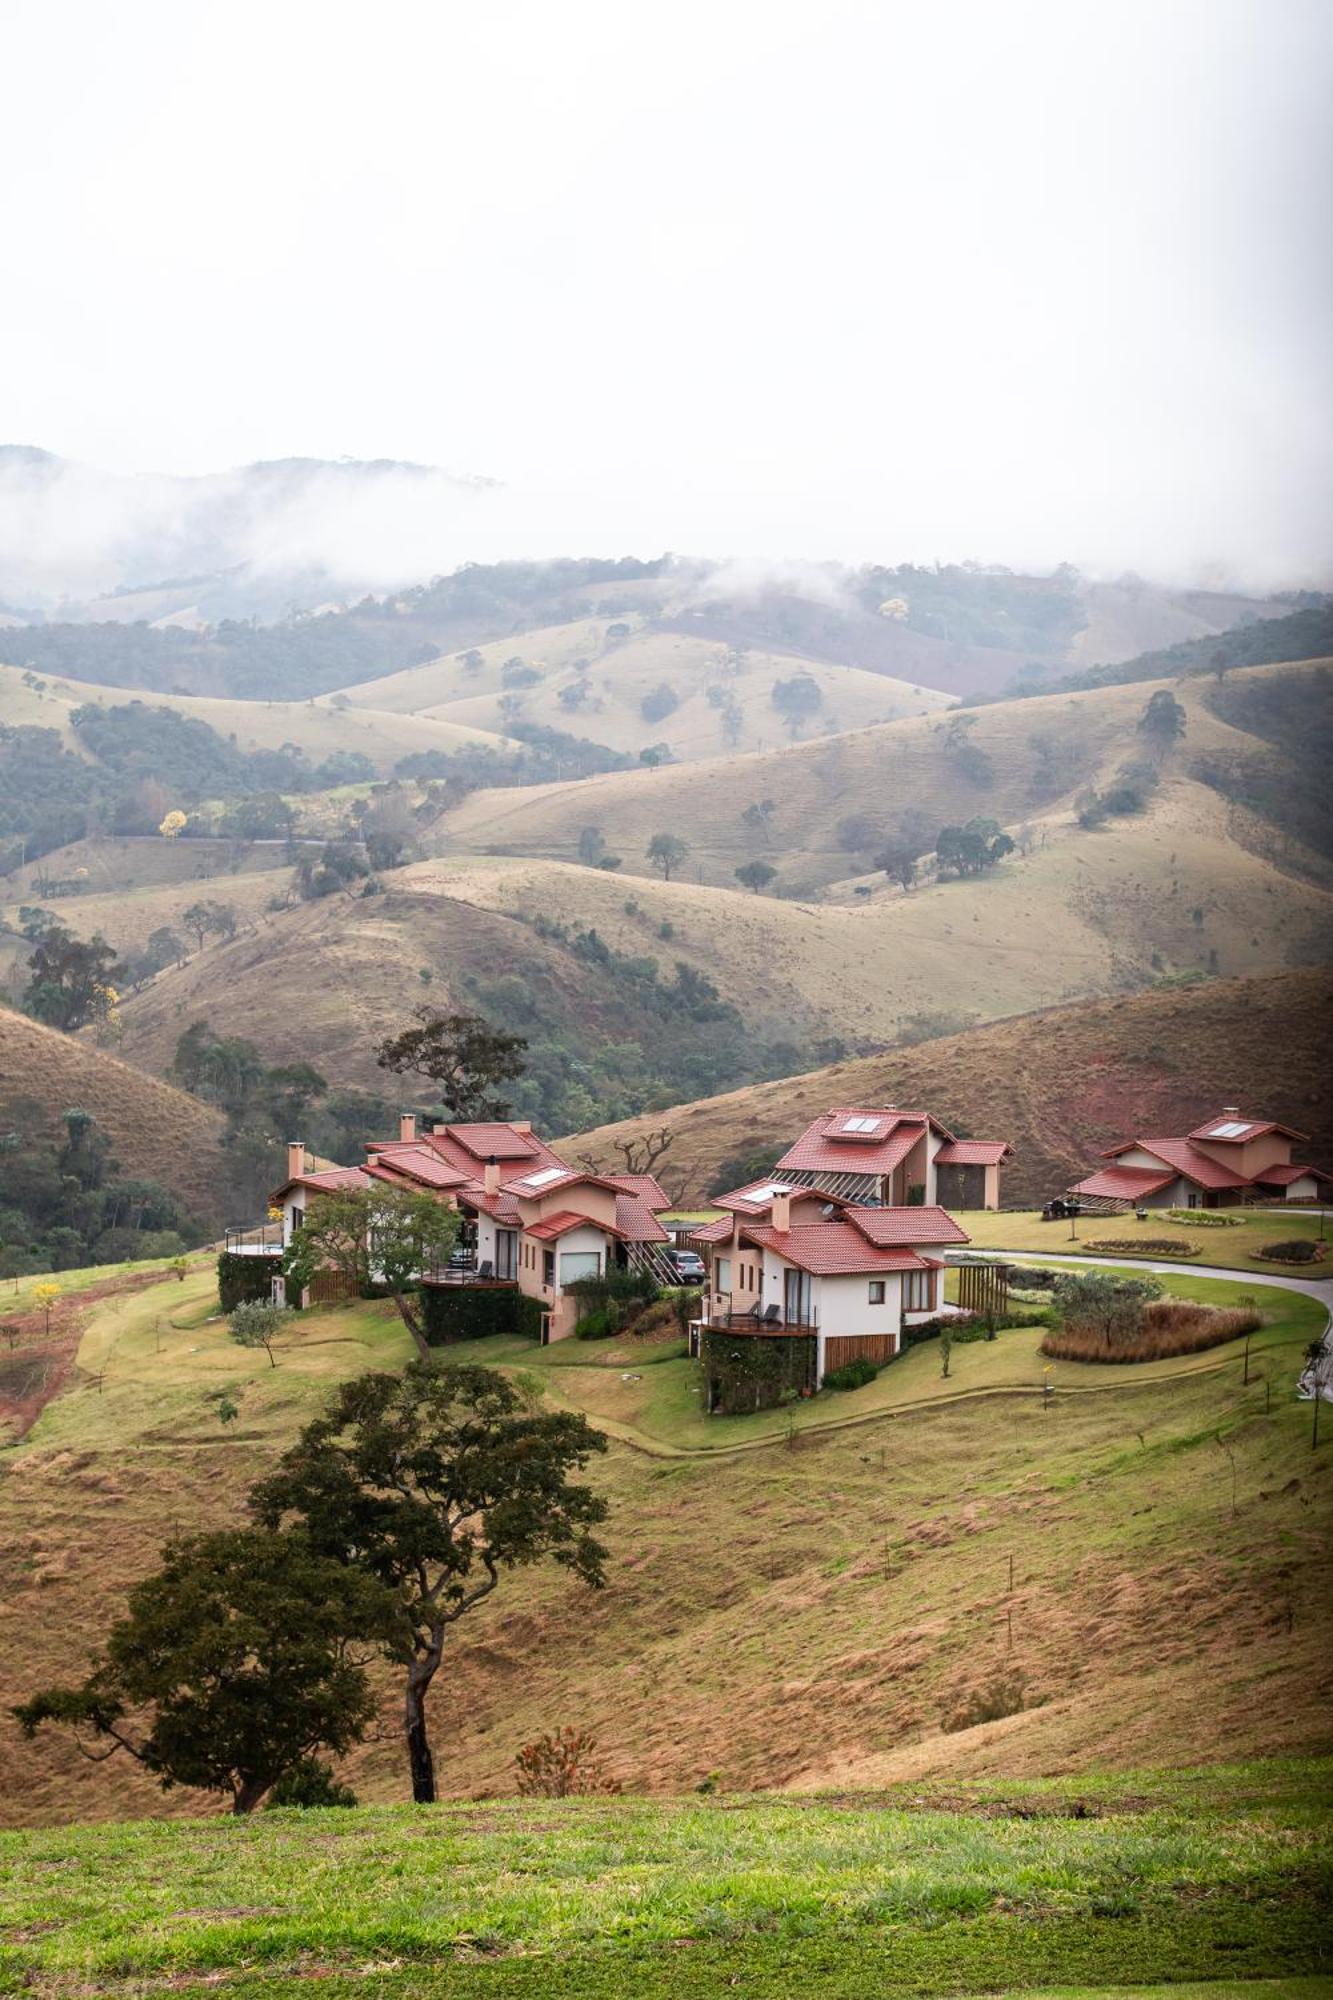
x,y
688,1265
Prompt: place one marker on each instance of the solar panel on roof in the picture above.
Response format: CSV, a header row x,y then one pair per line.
x,y
769,1189
861,1125
544,1177
1232,1129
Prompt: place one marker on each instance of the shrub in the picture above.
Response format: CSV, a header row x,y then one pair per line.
x,y
1155,1246
562,1764
852,1374
1106,1309
1169,1327
602,1323
621,1286
1300,1250
258,1323
309,1783
1202,1218
960,1327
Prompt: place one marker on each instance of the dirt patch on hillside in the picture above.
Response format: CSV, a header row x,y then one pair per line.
x,y
37,1353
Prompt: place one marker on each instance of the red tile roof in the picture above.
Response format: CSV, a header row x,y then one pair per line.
x,y
1245,1130
1284,1176
560,1224
501,1208
1123,1183
413,1161
635,1221
646,1186
328,1177
1188,1160
907,1225
503,1140
826,1147
831,1249
973,1153
713,1232
756,1198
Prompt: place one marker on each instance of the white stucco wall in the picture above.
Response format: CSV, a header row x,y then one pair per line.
x,y
844,1307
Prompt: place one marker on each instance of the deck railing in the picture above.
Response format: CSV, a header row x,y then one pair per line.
x,y
264,1239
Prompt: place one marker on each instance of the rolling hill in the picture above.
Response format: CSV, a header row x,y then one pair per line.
x,y
156,1131
696,696
810,809
1060,1085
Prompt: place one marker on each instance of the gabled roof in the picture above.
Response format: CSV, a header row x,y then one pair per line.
x,y
414,1161
468,1148
324,1181
646,1186
501,1208
857,1141
1124,1183
1229,1130
560,1224
713,1232
757,1197
973,1153
552,1178
831,1249
635,1221
906,1225
1284,1176
1187,1160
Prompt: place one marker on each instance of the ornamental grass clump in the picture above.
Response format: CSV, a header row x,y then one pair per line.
x,y
1168,1327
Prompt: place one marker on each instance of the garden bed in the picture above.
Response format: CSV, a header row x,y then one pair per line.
x,y
1170,1327
1142,1246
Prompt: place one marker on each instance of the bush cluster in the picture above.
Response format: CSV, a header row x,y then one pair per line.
x,y
852,1374
1155,1246
1169,1327
1300,1250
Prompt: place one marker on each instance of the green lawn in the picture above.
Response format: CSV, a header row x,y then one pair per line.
x,y
1146,1879
1231,1246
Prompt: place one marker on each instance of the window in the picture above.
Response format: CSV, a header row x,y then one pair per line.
x,y
548,1267
722,1275
298,1217
579,1264
877,1291
918,1291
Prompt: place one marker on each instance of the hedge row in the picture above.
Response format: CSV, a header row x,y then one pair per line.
x,y
242,1279
463,1312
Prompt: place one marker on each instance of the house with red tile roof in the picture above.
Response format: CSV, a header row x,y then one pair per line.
x,y
529,1221
891,1157
1224,1162
795,1263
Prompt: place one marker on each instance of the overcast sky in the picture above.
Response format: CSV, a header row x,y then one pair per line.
x,y
854,278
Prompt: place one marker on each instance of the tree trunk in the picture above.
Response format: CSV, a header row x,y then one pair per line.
x,y
413,1325
248,1794
419,1677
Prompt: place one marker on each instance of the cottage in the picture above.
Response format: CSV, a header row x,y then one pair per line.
x,y
530,1222
842,1279
1228,1160
889,1158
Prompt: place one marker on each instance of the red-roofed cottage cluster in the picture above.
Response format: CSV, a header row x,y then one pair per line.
x,y
529,1221
841,1247
1227,1160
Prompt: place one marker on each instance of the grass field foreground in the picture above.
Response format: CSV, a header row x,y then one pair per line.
x,y
1145,1878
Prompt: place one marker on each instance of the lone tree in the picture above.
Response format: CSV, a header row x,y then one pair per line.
x,y
437,1482
70,980
1163,718
1109,1307
239,1659
463,1054
666,851
973,848
756,875
899,863
257,1323
386,1234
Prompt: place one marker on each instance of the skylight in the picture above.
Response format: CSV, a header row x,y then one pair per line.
x,y
860,1124
1232,1129
545,1177
768,1190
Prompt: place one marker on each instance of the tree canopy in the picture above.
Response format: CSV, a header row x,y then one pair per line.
x,y
463,1054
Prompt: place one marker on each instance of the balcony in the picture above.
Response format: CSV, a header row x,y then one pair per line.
x,y
264,1240
463,1268
751,1325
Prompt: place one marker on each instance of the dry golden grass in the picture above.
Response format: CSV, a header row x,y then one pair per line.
x,y
1170,1327
884,771
155,1131
317,725
1059,1086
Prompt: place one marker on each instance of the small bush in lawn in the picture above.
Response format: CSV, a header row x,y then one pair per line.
x,y
1300,1250
562,1764
601,1324
1004,1694
1169,1327
851,1375
310,1783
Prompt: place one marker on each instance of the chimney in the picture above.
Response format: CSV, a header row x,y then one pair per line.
x,y
1231,1111
521,1124
491,1183
782,1212
295,1158
407,1126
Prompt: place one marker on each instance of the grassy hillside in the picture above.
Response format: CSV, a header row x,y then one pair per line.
x,y
824,1604
1060,1086
1016,762
318,726
156,1132
976,1888
574,677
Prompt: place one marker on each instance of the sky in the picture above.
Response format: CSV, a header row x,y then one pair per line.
x,y
858,279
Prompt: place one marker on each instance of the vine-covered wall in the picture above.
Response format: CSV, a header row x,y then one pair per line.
x,y
241,1279
466,1312
755,1371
